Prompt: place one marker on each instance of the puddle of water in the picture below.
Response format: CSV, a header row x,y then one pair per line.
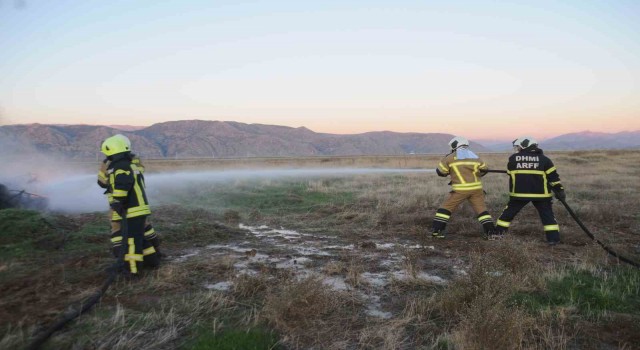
x,y
378,313
293,263
385,245
295,251
377,280
311,251
221,286
184,257
403,275
340,247
233,247
336,283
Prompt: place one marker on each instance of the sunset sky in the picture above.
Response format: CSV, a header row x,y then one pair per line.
x,y
479,69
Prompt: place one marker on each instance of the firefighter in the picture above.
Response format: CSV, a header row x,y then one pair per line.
x,y
465,169
533,178
150,234
128,198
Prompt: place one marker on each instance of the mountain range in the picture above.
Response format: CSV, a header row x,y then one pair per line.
x,y
216,139
585,140
228,139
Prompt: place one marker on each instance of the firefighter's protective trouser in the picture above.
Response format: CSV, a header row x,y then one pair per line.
x,y
545,210
138,251
475,197
150,234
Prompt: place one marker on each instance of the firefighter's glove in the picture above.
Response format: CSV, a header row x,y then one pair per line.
x,y
118,207
560,195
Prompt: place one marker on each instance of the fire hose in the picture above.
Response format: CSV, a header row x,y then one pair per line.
x,y
89,302
585,229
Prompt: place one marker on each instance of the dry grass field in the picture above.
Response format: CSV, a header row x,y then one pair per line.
x,y
338,262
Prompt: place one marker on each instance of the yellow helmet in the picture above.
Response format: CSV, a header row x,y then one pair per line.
x,y
114,145
125,139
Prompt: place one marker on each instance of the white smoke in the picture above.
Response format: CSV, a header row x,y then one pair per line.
x,y
81,194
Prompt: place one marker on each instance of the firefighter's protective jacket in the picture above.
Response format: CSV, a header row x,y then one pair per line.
x,y
532,175
126,185
465,173
103,180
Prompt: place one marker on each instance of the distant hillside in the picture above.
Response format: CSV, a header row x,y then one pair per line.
x,y
585,140
219,139
588,140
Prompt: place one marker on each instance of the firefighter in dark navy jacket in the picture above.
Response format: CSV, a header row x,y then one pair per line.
x,y
128,200
150,234
532,178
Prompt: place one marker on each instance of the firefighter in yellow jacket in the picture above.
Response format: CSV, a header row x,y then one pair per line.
x,y
126,185
465,169
150,234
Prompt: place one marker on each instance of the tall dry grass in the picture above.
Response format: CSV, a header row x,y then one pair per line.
x,y
308,314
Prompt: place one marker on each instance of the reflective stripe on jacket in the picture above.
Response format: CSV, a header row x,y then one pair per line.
x,y
465,173
532,175
126,184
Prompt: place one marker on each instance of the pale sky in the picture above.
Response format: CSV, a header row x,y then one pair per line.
x,y
479,69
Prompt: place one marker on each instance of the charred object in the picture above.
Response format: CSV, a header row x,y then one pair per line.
x,y
21,199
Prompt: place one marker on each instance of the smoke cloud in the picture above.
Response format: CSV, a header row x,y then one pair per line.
x,y
81,194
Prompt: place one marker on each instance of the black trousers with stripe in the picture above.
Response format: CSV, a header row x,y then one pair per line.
x,y
545,211
136,245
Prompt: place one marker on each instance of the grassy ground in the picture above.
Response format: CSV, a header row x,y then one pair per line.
x,y
359,272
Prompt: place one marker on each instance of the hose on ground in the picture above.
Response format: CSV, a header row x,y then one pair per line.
x,y
88,303
585,229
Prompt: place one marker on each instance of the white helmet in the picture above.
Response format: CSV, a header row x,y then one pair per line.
x,y
457,142
524,142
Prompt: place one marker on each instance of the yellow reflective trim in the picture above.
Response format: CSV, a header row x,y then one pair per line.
x,y
554,183
513,174
441,215
115,217
475,172
138,191
484,217
121,171
443,167
116,239
456,163
467,188
513,181
142,209
119,193
135,215
133,267
150,232
149,251
535,172
550,170
532,195
552,228
134,257
469,184
455,168
503,223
